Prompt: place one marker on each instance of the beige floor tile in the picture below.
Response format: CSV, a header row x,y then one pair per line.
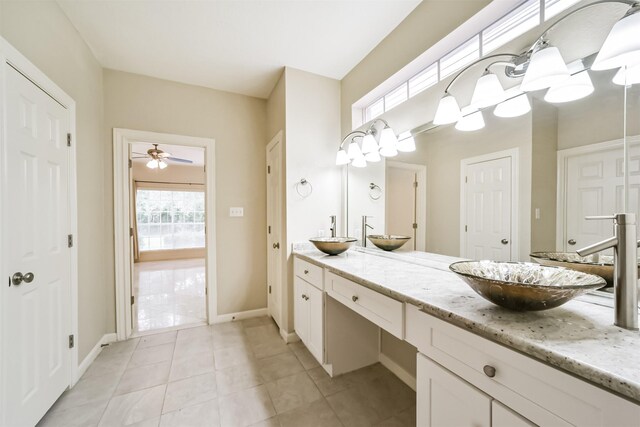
x,y
231,338
305,357
151,355
108,364
292,392
85,416
233,356
271,422
190,334
202,414
279,366
388,394
142,377
246,407
193,345
257,321
313,414
151,422
157,339
236,378
270,348
227,327
190,366
262,334
328,385
128,346
87,391
406,418
353,408
190,391
134,407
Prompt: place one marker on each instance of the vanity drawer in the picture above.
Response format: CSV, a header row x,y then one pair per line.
x,y
307,271
379,309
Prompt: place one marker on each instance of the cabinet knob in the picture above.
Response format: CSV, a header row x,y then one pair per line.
x,y
304,296
489,371
306,272
354,298
571,242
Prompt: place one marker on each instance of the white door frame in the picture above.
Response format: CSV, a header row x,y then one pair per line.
x,y
421,198
563,180
277,139
122,223
513,154
11,56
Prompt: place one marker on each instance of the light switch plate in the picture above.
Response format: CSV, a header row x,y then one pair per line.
x,y
236,212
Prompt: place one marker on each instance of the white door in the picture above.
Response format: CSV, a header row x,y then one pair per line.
x,y
401,207
595,187
36,314
274,232
488,210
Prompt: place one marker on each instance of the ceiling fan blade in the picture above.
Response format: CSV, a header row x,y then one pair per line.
x,y
175,159
142,154
140,157
164,154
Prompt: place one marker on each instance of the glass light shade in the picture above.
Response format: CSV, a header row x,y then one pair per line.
x,y
514,107
152,164
369,144
342,158
627,76
488,91
373,157
448,111
575,87
546,68
471,122
354,150
162,164
406,143
359,162
622,45
388,143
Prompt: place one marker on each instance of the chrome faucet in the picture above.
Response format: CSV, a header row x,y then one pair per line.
x,y
625,260
333,225
364,230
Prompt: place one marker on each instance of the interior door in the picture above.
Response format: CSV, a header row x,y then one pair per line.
x,y
595,184
36,310
274,229
487,192
401,204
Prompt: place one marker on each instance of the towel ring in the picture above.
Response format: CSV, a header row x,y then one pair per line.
x,y
375,192
304,188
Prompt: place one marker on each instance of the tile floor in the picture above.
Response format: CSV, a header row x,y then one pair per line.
x,y
232,374
169,293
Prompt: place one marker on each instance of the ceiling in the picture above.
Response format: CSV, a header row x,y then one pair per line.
x,y
194,154
234,45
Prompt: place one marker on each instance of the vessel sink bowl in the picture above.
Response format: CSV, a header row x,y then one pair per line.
x,y
525,286
333,245
388,242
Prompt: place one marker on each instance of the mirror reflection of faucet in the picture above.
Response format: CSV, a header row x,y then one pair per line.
x,y
332,218
364,230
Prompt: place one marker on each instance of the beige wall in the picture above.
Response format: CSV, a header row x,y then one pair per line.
x,y
238,125
41,32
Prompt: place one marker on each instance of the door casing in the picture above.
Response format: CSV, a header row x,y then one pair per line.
x,y
276,141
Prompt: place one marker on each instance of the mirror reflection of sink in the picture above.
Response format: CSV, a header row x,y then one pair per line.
x,y
388,242
333,245
524,286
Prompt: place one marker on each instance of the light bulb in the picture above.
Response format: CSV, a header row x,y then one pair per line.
x,y
342,158
448,111
546,68
627,76
488,91
622,46
369,144
514,107
354,150
388,143
162,164
359,162
575,87
373,157
152,164
406,143
470,122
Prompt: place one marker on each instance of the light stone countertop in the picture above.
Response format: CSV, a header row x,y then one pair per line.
x,y
577,337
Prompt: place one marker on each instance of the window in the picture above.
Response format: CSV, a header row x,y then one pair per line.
x,y
374,110
424,80
554,7
459,57
395,97
517,22
169,219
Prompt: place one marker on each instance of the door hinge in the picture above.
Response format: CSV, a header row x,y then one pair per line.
x,y
465,228
268,169
70,240
133,299
130,231
415,184
269,288
130,163
466,179
205,168
269,229
72,341
68,140
415,225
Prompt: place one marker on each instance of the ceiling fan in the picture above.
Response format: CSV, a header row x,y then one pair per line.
x,y
158,158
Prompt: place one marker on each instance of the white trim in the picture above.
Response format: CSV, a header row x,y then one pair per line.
x,y
12,56
397,370
122,138
276,140
289,337
421,199
512,153
232,317
95,351
563,162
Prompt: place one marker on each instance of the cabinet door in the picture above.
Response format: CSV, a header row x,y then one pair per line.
x,y
445,400
501,416
315,306
300,309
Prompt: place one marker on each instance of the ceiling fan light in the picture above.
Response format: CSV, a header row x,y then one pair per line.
x,y
406,143
373,157
576,87
448,111
152,164
162,164
342,158
354,150
471,122
514,107
627,76
622,45
369,144
546,68
488,91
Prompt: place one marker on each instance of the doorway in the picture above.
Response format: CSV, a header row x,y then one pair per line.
x,y
165,231
406,203
274,228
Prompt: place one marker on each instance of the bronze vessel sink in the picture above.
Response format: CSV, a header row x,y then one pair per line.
x,y
388,242
333,245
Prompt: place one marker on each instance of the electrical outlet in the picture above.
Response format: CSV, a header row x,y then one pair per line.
x,y
236,212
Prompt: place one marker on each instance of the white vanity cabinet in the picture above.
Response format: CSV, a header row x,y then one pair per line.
x,y
308,307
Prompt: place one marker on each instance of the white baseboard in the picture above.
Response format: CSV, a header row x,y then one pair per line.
x,y
289,337
398,371
222,318
95,351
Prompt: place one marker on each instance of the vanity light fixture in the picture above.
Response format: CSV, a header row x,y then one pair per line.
x,y
358,153
448,110
354,151
627,76
621,48
369,144
406,143
471,120
513,107
488,91
576,87
388,142
373,157
546,68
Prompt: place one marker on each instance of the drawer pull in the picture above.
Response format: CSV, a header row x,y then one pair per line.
x,y
489,371
306,272
354,298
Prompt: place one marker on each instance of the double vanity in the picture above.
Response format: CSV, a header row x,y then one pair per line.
x,y
477,364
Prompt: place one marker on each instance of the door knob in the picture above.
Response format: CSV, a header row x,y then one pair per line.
x,y
571,242
504,241
276,245
18,278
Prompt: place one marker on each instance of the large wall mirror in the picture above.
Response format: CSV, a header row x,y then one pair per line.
x,y
519,184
